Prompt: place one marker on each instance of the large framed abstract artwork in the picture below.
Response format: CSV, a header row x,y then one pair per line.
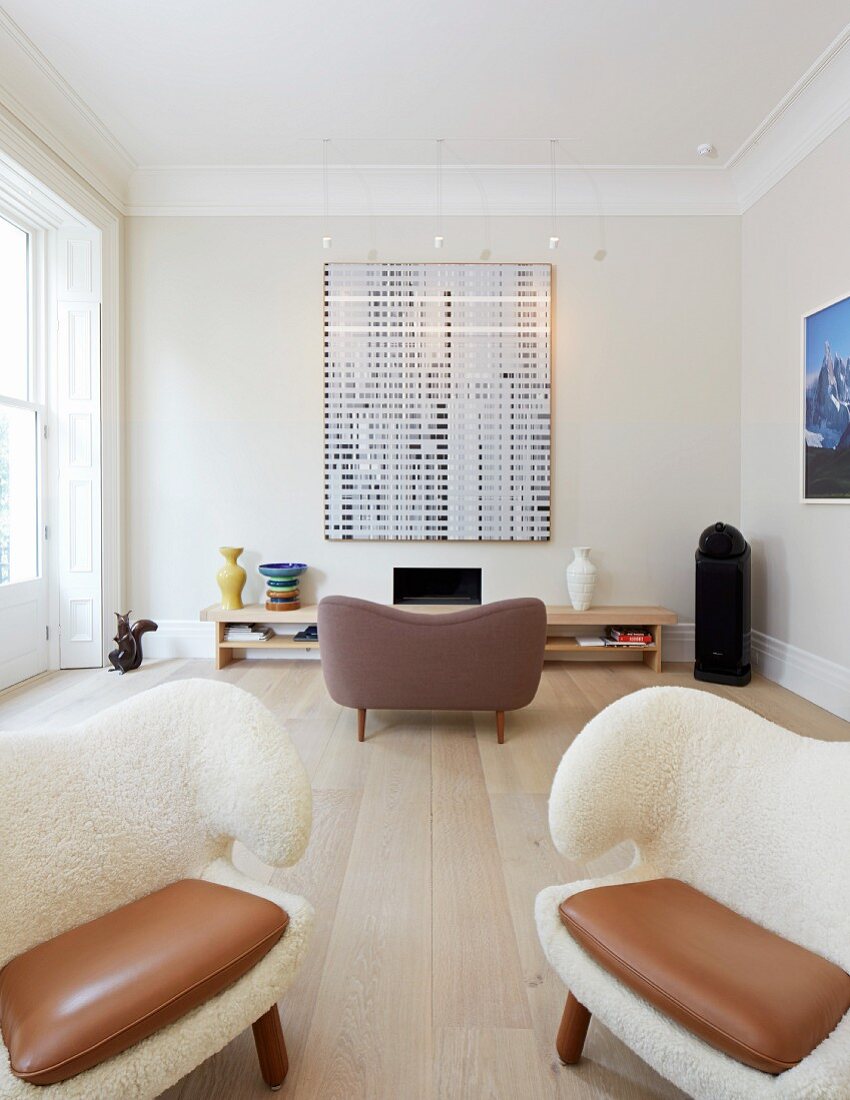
x,y
826,404
437,393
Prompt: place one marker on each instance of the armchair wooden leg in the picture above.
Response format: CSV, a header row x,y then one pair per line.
x,y
271,1049
361,725
500,726
573,1031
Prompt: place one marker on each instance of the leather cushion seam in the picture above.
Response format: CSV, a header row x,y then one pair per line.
x,y
159,1008
568,919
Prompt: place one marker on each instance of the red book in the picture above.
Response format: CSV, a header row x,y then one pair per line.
x,y
621,634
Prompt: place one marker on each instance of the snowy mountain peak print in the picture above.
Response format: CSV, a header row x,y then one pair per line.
x,y
826,439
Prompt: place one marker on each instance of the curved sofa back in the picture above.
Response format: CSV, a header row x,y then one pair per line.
x,y
482,658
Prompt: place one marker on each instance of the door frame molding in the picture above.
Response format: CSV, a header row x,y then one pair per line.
x,y
41,183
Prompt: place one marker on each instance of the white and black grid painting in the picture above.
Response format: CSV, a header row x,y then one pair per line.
x,y
437,401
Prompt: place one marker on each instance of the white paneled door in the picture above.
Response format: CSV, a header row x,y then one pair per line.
x,y
23,575
78,424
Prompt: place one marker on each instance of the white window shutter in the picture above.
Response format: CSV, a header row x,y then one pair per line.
x,y
78,540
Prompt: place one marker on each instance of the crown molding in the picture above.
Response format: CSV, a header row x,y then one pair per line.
x,y
812,110
806,81
45,169
480,190
18,117
34,94
9,27
24,195
52,107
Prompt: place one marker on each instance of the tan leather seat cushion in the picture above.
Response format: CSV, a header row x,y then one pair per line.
x,y
80,998
748,992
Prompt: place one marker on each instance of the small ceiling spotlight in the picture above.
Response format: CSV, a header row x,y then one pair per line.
x,y
438,164
554,239
599,255
706,150
327,242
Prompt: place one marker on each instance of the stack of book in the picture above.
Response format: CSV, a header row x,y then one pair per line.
x,y
628,636
247,632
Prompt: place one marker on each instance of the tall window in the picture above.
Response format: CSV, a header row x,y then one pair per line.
x,y
18,414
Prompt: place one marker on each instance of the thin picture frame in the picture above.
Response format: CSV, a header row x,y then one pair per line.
x,y
552,335
803,425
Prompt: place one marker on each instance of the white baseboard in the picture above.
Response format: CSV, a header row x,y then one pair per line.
x,y
181,638
815,678
677,642
187,638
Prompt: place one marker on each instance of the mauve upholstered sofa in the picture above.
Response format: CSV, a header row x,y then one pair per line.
x,y
376,657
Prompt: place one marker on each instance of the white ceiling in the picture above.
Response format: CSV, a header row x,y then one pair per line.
x,y
620,82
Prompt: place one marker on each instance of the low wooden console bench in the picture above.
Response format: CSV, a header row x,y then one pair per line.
x,y
561,620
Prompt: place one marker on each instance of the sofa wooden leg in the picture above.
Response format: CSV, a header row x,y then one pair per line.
x,y
361,725
271,1049
573,1031
500,726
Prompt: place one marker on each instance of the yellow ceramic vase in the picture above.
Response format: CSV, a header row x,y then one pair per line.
x,y
231,578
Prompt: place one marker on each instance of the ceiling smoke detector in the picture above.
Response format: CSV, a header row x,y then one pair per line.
x,y
706,150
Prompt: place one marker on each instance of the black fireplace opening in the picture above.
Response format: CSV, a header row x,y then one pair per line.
x,y
436,586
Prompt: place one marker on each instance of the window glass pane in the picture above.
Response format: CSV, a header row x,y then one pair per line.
x,y
14,365
18,496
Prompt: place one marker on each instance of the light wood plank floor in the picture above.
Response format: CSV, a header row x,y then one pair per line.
x,y
429,844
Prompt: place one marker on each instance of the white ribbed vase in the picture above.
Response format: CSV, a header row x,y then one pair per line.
x,y
581,578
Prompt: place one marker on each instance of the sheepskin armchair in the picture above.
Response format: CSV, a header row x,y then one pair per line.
x,y
749,813
152,790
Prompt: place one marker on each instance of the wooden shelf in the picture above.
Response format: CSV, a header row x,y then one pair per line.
x,y
557,617
257,613
611,615
279,641
555,643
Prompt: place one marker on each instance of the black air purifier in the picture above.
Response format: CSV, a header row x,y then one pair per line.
x,y
722,615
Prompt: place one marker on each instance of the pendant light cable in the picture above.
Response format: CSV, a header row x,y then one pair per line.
x,y
327,240
554,239
438,238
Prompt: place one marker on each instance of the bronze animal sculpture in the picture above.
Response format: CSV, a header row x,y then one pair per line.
x,y
128,654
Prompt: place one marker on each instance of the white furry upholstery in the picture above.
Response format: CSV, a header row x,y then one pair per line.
x,y
145,793
749,813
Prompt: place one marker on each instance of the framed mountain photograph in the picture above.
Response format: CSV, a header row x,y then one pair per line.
x,y
826,404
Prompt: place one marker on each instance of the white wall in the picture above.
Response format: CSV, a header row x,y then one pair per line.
x,y
224,403
795,258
